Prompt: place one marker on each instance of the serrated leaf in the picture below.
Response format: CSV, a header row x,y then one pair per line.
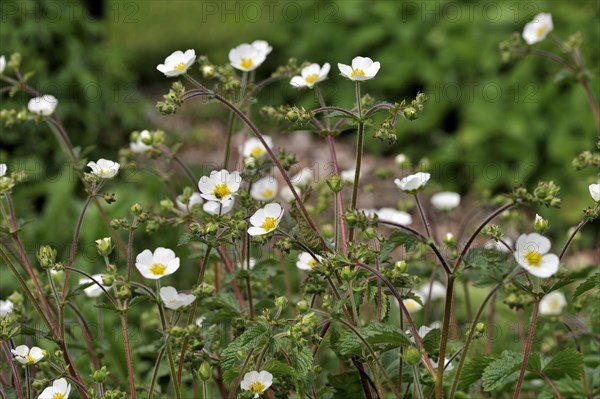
x,y
79,290
279,368
499,370
566,363
302,362
591,283
255,336
185,239
107,306
490,267
473,371
558,284
397,238
347,385
431,341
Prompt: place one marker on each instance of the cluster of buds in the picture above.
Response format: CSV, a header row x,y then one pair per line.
x,y
513,48
587,159
290,69
153,139
173,99
46,256
305,330
546,193
387,131
479,330
492,231
154,223
516,298
10,117
414,109
299,116
7,183
286,159
357,218
204,290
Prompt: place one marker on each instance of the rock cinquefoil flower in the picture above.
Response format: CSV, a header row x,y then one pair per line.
x,y
60,389
140,145
306,261
438,290
195,199
219,208
532,254
254,148
363,68
445,200
6,307
262,45
93,291
177,63
537,30
310,76
264,189
553,303
153,266
595,191
246,57
394,216
2,64
265,219
25,355
104,168
44,105
413,183
3,169
175,300
256,382
220,185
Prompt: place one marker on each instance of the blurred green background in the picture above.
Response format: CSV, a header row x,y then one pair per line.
x,y
487,125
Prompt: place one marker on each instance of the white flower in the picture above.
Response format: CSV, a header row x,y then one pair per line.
x,y
363,68
532,254
413,183
4,168
537,30
6,307
60,389
498,246
2,64
251,264
177,63
264,189
256,382
303,178
347,176
139,146
306,261
438,290
174,300
93,291
195,199
246,57
445,201
253,147
411,305
262,45
287,195
553,303
25,355
424,330
104,168
394,216
265,219
311,75
447,365
44,105
200,321
220,185
401,159
219,208
595,191
162,262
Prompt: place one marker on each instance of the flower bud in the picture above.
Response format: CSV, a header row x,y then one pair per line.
x,y
281,302
480,328
109,198
540,224
99,376
409,113
335,183
370,233
412,355
104,246
208,71
108,280
347,274
205,371
302,306
46,256
449,239
176,331
292,116
401,266
38,385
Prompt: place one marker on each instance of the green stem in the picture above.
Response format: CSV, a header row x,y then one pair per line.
x,y
359,152
28,381
444,339
417,383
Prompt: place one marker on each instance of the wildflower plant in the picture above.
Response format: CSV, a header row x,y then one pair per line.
x,y
380,287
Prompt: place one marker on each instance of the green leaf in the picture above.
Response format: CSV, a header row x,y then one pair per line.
x,y
79,290
279,368
382,337
534,363
473,371
591,283
499,370
490,266
566,363
347,385
302,362
255,336
431,341
396,239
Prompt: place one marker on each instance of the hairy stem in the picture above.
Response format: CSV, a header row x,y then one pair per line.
x,y
536,306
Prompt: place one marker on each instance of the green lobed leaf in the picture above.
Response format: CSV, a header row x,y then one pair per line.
x,y
473,371
566,363
590,283
499,370
395,239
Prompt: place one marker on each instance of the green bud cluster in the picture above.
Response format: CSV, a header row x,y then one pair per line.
x,y
173,99
299,116
513,48
10,117
586,159
46,256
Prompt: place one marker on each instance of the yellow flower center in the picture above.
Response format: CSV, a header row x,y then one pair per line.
x,y
357,72
540,31
30,359
180,66
310,79
256,151
257,387
221,191
158,269
268,193
58,396
554,305
411,305
246,63
312,263
533,258
269,224
104,172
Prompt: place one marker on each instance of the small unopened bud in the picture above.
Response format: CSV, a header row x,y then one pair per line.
x,y
370,233
136,209
540,224
292,116
335,183
109,198
99,376
409,113
205,371
412,355
302,306
208,71
104,246
46,256
281,302
347,274
176,331
449,239
401,266
480,328
108,280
